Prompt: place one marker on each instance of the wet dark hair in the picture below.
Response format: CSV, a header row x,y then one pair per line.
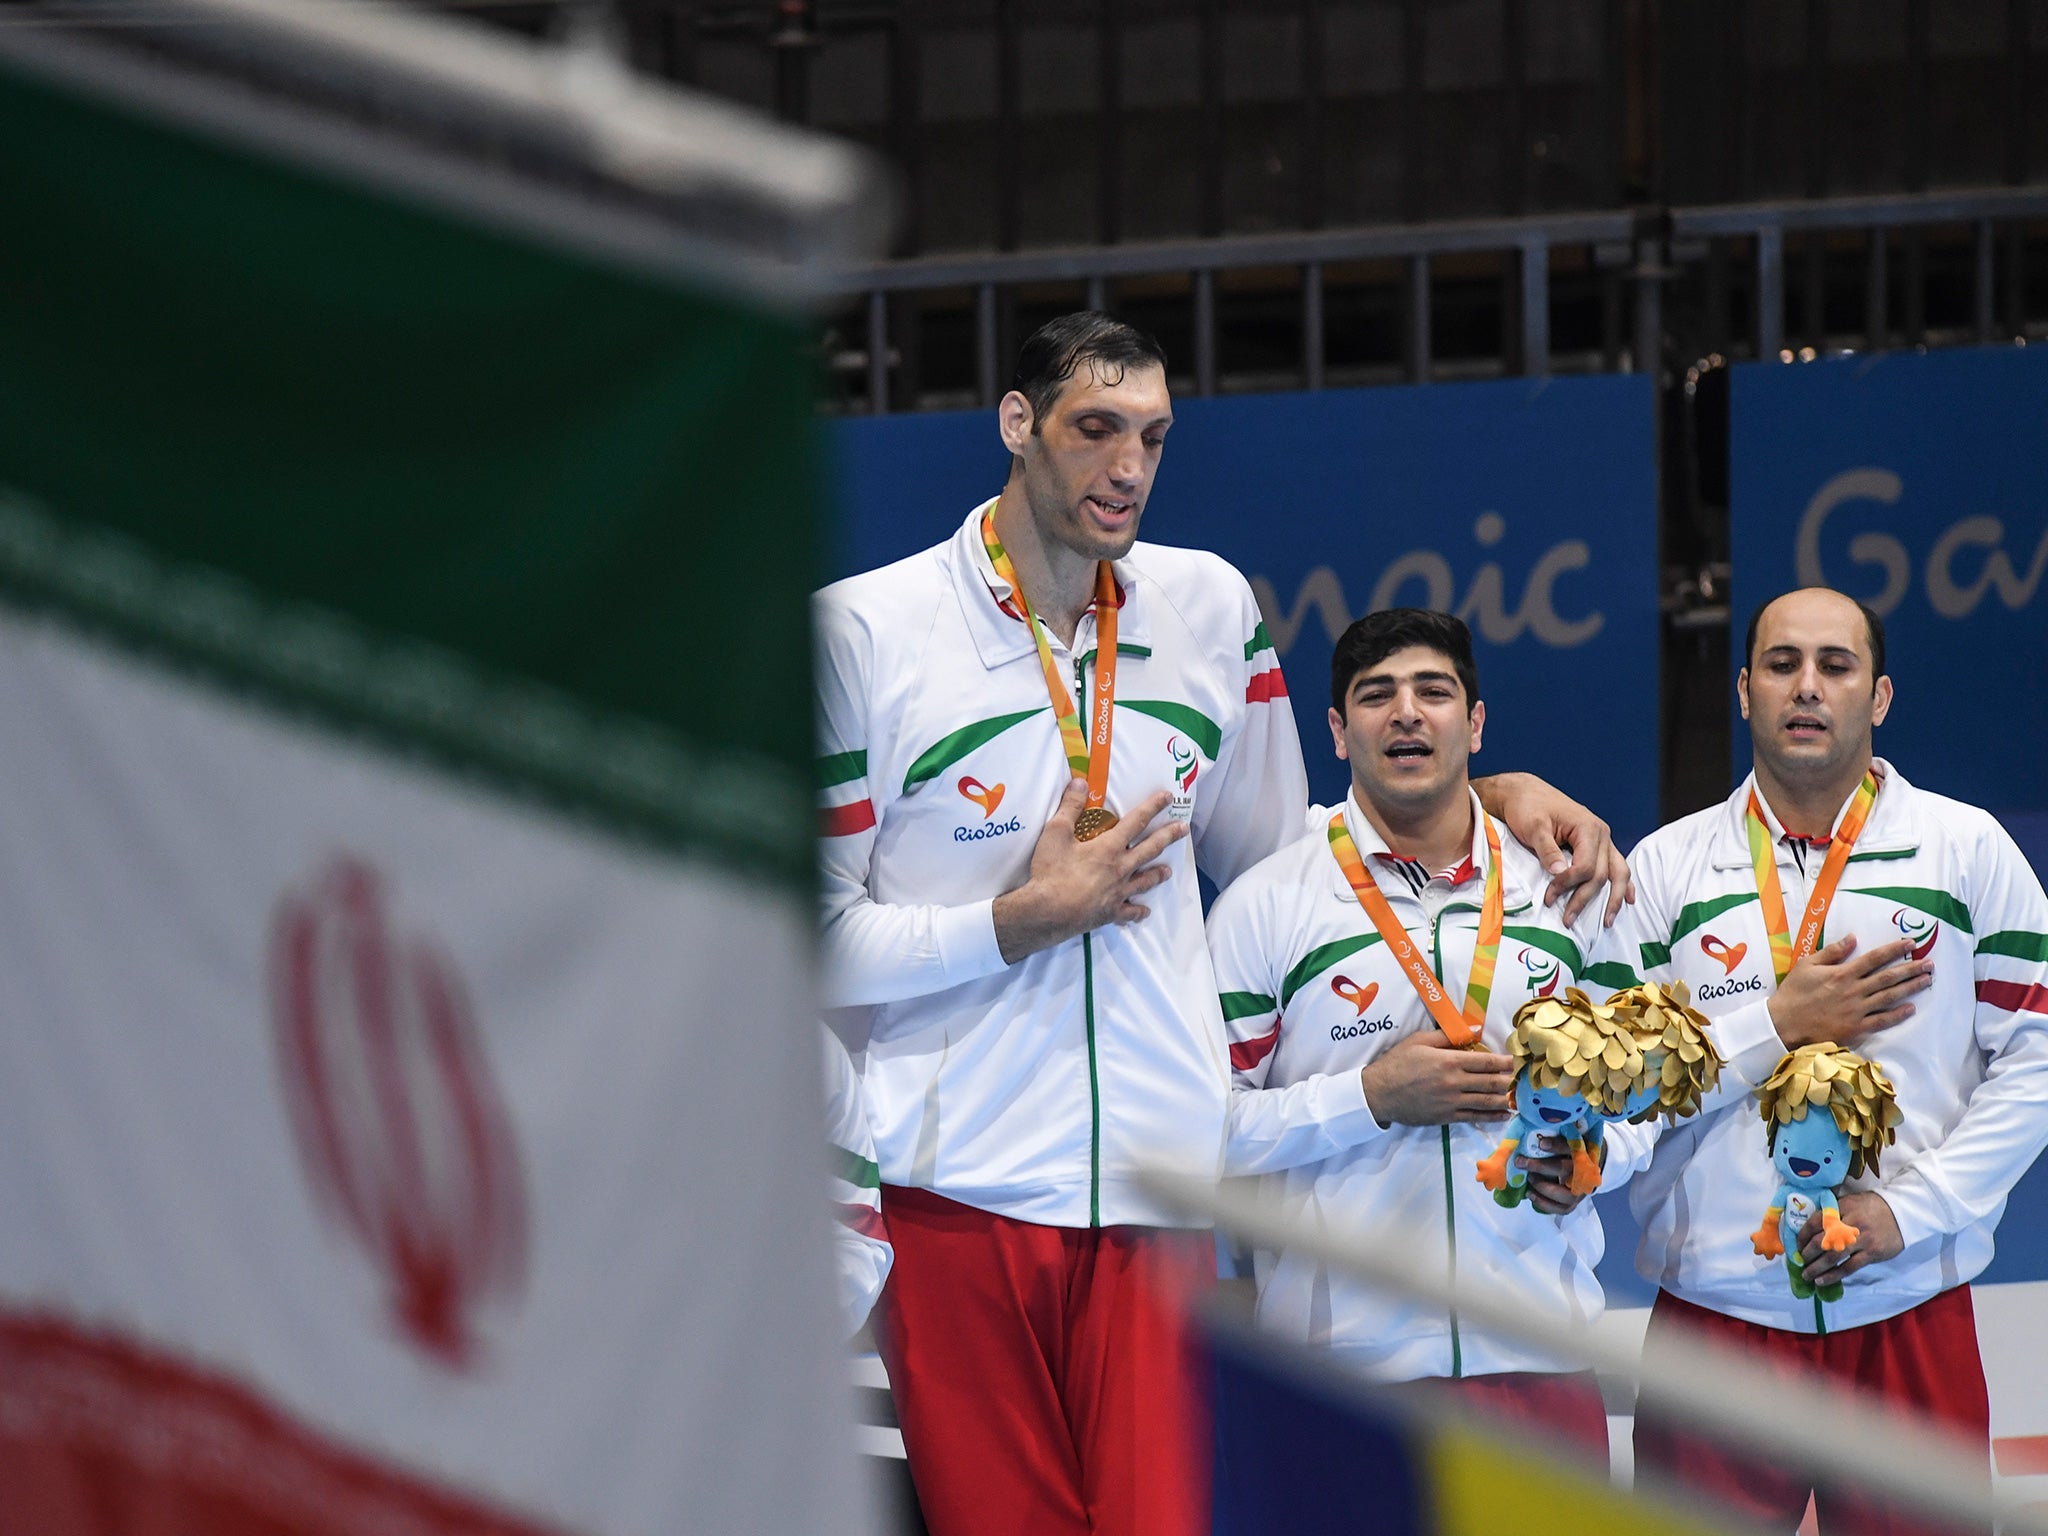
x,y
1056,349
1872,624
1378,635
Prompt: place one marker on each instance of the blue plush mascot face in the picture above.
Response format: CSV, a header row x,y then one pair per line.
x,y
1813,1152
1552,1109
1644,1099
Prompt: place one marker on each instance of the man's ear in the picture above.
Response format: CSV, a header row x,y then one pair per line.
x,y
1014,420
1881,701
1478,723
1337,735
1742,691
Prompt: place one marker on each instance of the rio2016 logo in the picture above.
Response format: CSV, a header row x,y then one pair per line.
x,y
988,799
1920,931
1360,998
1543,972
1727,956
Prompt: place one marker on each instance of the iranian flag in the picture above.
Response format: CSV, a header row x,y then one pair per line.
x,y
409,1117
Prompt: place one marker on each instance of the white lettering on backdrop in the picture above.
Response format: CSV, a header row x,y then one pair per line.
x,y
1950,593
1484,604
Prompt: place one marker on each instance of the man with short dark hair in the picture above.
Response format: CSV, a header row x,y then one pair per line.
x,y
1031,735
1369,1092
1935,966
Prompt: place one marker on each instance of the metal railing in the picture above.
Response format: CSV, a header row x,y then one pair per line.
x,y
1646,248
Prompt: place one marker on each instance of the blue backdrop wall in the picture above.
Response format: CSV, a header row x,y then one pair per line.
x,y
1528,508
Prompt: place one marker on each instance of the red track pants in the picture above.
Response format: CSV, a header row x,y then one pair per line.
x,y
1044,1376
1926,1359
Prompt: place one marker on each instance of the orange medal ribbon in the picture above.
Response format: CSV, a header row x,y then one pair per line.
x,y
1785,950
1085,754
1461,1029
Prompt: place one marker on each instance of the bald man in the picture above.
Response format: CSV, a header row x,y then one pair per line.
x,y
1829,899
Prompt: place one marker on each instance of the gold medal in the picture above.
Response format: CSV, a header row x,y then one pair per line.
x,y
1093,822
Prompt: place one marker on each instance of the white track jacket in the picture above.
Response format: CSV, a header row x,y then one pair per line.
x,y
1970,1066
1035,1090
1311,995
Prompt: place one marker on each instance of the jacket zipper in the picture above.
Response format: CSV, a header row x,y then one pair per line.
x,y
1436,946
1088,1013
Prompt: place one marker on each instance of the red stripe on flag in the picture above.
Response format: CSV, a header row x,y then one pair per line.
x,y
2013,996
2020,1455
865,1220
845,820
1267,685
1246,1054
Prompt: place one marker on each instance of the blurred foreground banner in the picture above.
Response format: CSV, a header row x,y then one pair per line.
x,y
1304,1450
1526,507
408,1094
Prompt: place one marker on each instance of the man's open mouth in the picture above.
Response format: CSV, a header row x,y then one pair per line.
x,y
1805,728
1109,510
1409,749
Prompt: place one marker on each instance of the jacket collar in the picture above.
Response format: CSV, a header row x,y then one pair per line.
x,y
1000,638
1889,830
1373,849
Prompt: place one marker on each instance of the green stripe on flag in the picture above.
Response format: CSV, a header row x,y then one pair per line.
x,y
2017,943
1245,1005
948,750
1320,959
842,768
861,1172
1936,904
1207,733
1260,641
404,472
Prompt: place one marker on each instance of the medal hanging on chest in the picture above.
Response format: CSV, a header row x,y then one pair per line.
x,y
1786,949
1460,1027
1086,754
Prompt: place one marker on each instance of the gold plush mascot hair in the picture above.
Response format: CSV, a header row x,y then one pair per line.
x,y
1575,1045
1864,1103
1677,1049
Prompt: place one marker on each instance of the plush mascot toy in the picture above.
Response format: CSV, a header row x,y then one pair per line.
x,y
1680,1065
1814,1153
1576,1067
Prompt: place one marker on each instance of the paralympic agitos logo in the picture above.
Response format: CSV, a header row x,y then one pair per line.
x,y
1920,931
1543,972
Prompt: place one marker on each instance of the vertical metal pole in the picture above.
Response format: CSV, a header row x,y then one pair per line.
x,y
1649,337
1098,293
1312,326
1205,332
1109,81
1877,298
1717,294
1536,309
1770,293
1987,271
2015,278
1813,263
985,342
1418,320
878,353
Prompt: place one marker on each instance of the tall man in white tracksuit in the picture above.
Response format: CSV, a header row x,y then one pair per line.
x,y
1830,899
1030,736
1350,1096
